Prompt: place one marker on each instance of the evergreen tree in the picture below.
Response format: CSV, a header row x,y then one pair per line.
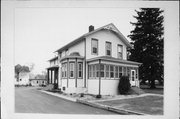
x,y
147,40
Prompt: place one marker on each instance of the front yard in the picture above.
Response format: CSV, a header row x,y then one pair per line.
x,y
150,104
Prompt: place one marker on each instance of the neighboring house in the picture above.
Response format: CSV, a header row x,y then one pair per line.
x,y
93,63
23,78
38,82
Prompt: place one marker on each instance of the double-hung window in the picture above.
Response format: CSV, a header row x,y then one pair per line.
x,y
120,71
111,71
71,71
116,71
107,71
102,70
97,70
80,70
94,46
108,48
65,70
94,71
120,52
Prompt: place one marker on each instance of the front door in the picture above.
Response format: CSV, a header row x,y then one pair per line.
x,y
133,77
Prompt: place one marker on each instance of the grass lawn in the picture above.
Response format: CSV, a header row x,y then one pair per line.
x,y
152,105
157,90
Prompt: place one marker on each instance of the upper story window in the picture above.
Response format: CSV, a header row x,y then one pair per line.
x,y
108,48
94,46
120,51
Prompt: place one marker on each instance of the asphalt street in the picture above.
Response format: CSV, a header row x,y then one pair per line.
x,y
30,100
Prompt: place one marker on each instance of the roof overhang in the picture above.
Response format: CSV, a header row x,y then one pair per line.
x,y
112,59
71,57
53,67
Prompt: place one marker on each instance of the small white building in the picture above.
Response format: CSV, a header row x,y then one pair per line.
x,y
38,82
93,63
23,79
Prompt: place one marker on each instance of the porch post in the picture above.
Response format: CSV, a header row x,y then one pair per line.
x,y
99,96
67,73
76,65
51,76
48,76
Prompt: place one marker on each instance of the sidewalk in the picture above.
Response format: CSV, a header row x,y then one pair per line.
x,y
106,104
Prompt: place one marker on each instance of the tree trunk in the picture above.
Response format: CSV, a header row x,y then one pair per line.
x,y
152,86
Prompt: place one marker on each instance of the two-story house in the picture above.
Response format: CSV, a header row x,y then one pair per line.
x,y
93,63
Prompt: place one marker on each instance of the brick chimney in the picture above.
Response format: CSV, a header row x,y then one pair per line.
x,y
91,28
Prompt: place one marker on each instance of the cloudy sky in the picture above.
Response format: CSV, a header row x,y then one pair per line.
x,y
41,31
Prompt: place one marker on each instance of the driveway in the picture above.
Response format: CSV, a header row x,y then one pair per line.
x,y
30,100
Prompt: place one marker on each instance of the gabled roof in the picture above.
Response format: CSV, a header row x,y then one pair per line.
x,y
110,27
113,59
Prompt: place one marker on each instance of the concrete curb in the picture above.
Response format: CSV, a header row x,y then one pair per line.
x,y
113,109
60,96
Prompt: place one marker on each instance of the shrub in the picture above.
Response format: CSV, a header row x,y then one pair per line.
x,y
124,85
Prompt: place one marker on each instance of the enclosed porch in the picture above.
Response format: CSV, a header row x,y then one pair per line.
x,y
104,74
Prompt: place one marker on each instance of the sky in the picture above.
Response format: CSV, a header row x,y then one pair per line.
x,y
41,31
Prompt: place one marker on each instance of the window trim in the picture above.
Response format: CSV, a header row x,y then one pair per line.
x,y
110,49
119,45
92,47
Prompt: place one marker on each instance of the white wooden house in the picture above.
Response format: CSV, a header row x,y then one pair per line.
x,y
23,79
93,63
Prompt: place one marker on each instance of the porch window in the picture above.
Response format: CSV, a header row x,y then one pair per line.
x,y
93,71
128,71
124,71
116,71
108,48
97,70
112,71
65,70
120,71
107,71
94,46
62,70
79,70
90,71
120,52
71,71
102,70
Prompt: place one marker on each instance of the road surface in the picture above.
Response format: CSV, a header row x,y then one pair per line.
x,y
30,100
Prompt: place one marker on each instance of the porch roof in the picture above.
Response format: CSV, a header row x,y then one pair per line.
x,y
72,57
53,67
113,59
